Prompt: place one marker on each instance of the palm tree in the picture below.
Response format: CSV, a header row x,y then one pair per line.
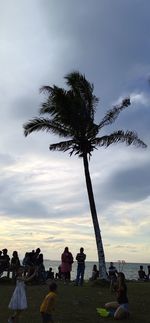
x,y
70,114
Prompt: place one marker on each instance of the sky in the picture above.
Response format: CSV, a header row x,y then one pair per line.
x,y
43,194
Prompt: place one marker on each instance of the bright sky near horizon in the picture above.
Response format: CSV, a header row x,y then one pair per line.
x,y
43,194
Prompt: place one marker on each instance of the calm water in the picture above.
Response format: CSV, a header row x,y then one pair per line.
x,y
130,269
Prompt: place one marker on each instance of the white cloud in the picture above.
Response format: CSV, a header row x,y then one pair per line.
x,y
43,195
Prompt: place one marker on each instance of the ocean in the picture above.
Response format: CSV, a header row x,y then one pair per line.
x,y
130,269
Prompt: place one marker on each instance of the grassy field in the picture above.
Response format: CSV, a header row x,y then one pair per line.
x,y
78,304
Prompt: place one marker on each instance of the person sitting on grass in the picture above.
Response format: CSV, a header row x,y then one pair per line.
x,y
120,308
142,274
59,273
50,273
95,273
48,305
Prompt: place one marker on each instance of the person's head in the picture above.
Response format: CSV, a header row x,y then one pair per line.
x,y
5,251
94,267
66,249
38,250
53,287
15,254
111,264
20,271
81,250
141,267
50,269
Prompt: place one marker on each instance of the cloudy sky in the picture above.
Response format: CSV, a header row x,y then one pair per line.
x,y
43,194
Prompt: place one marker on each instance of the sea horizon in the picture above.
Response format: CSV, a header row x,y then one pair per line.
x,y
130,269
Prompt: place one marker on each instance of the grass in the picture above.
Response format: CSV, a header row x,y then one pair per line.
x,y
78,304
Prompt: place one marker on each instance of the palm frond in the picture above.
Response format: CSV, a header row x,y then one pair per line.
x,y
112,114
46,88
81,87
57,103
47,125
129,137
61,146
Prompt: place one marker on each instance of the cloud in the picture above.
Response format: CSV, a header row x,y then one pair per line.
x,y
43,195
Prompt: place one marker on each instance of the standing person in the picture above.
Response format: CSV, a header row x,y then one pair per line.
x,y
112,274
66,264
15,264
120,308
48,305
18,301
80,257
5,260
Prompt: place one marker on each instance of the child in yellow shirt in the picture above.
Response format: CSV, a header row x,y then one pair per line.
x,y
48,304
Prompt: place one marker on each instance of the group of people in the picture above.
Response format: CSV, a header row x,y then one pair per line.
x,y
31,262
32,268
18,302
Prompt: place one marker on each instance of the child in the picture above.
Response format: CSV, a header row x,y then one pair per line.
x,y
48,304
18,301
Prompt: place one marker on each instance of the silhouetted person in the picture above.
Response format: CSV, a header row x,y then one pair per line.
x,y
148,267
95,273
66,264
15,264
59,274
112,274
50,274
5,262
142,274
80,257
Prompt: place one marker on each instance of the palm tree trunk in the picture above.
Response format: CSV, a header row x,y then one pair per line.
x,y
101,256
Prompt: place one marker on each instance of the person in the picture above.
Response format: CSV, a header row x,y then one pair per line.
x,y
41,273
142,274
18,301
48,305
112,275
66,264
148,267
5,262
95,273
80,257
50,273
35,256
120,308
14,264
58,274
1,262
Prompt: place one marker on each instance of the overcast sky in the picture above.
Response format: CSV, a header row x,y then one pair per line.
x,y
43,194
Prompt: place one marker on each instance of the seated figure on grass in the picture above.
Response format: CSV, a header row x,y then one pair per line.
x,y
120,308
142,274
95,273
50,273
